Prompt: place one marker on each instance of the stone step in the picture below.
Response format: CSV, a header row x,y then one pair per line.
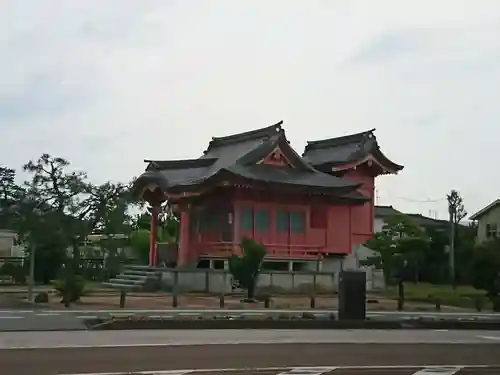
x,y
118,280
139,272
140,268
121,286
127,276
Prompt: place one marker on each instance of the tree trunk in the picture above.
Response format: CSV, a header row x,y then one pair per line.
x,y
251,291
401,294
495,300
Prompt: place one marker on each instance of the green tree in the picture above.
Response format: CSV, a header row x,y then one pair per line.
x,y
486,270
245,268
139,241
71,205
435,260
399,248
10,194
457,212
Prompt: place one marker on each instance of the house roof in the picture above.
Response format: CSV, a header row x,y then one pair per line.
x,y
354,148
238,156
426,221
385,211
419,219
485,210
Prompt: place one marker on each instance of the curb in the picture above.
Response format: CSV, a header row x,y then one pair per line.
x,y
224,323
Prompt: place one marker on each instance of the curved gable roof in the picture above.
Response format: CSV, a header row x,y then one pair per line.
x,y
347,149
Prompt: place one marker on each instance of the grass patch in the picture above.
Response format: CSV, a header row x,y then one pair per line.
x,y
462,296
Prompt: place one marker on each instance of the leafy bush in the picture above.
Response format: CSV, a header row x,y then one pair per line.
x,y
71,288
139,241
245,269
486,274
16,272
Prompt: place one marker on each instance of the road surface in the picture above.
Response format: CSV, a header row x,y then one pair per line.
x,y
29,320
44,353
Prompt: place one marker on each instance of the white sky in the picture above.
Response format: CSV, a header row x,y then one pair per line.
x,y
108,83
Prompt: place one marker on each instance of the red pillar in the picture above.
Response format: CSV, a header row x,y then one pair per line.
x,y
236,229
152,237
183,238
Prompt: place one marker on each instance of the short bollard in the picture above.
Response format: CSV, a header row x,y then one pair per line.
x,y
123,295
478,302
401,295
267,302
221,301
312,302
401,302
438,304
175,300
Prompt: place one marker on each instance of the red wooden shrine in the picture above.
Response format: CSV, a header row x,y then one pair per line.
x,y
254,184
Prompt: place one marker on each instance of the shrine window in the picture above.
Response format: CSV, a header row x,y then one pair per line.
x,y
282,221
262,220
298,221
246,218
319,216
205,223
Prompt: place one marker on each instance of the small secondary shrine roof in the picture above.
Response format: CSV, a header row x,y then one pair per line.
x,y
347,150
240,156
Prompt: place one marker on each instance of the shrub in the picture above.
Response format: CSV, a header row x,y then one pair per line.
x,y
245,269
487,270
15,271
72,288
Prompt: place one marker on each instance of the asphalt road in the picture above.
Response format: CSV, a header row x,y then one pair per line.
x,y
29,320
44,353
161,358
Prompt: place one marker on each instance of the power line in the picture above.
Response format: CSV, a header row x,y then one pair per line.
x,y
412,200
422,201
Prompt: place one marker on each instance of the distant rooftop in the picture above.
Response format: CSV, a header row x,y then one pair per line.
x,y
384,211
419,219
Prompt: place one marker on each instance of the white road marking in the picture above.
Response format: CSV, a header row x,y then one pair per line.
x,y
308,371
47,314
11,317
253,314
86,317
439,370
442,370
490,337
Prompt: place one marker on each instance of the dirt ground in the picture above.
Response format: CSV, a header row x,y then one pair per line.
x,y
111,300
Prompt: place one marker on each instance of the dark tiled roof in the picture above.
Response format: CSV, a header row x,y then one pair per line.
x,y
418,219
385,211
425,221
236,156
345,150
270,173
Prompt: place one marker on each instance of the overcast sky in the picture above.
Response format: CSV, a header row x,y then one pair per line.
x,y
108,83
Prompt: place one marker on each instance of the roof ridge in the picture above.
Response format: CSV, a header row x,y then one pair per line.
x,y
255,134
337,141
268,145
179,164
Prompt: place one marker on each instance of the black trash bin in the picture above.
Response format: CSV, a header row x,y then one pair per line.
x,y
352,295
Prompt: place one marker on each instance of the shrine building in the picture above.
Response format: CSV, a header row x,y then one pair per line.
x,y
254,184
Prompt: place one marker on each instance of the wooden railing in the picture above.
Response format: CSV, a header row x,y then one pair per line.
x,y
274,250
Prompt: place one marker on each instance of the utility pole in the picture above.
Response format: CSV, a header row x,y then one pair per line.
x,y
452,210
31,281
